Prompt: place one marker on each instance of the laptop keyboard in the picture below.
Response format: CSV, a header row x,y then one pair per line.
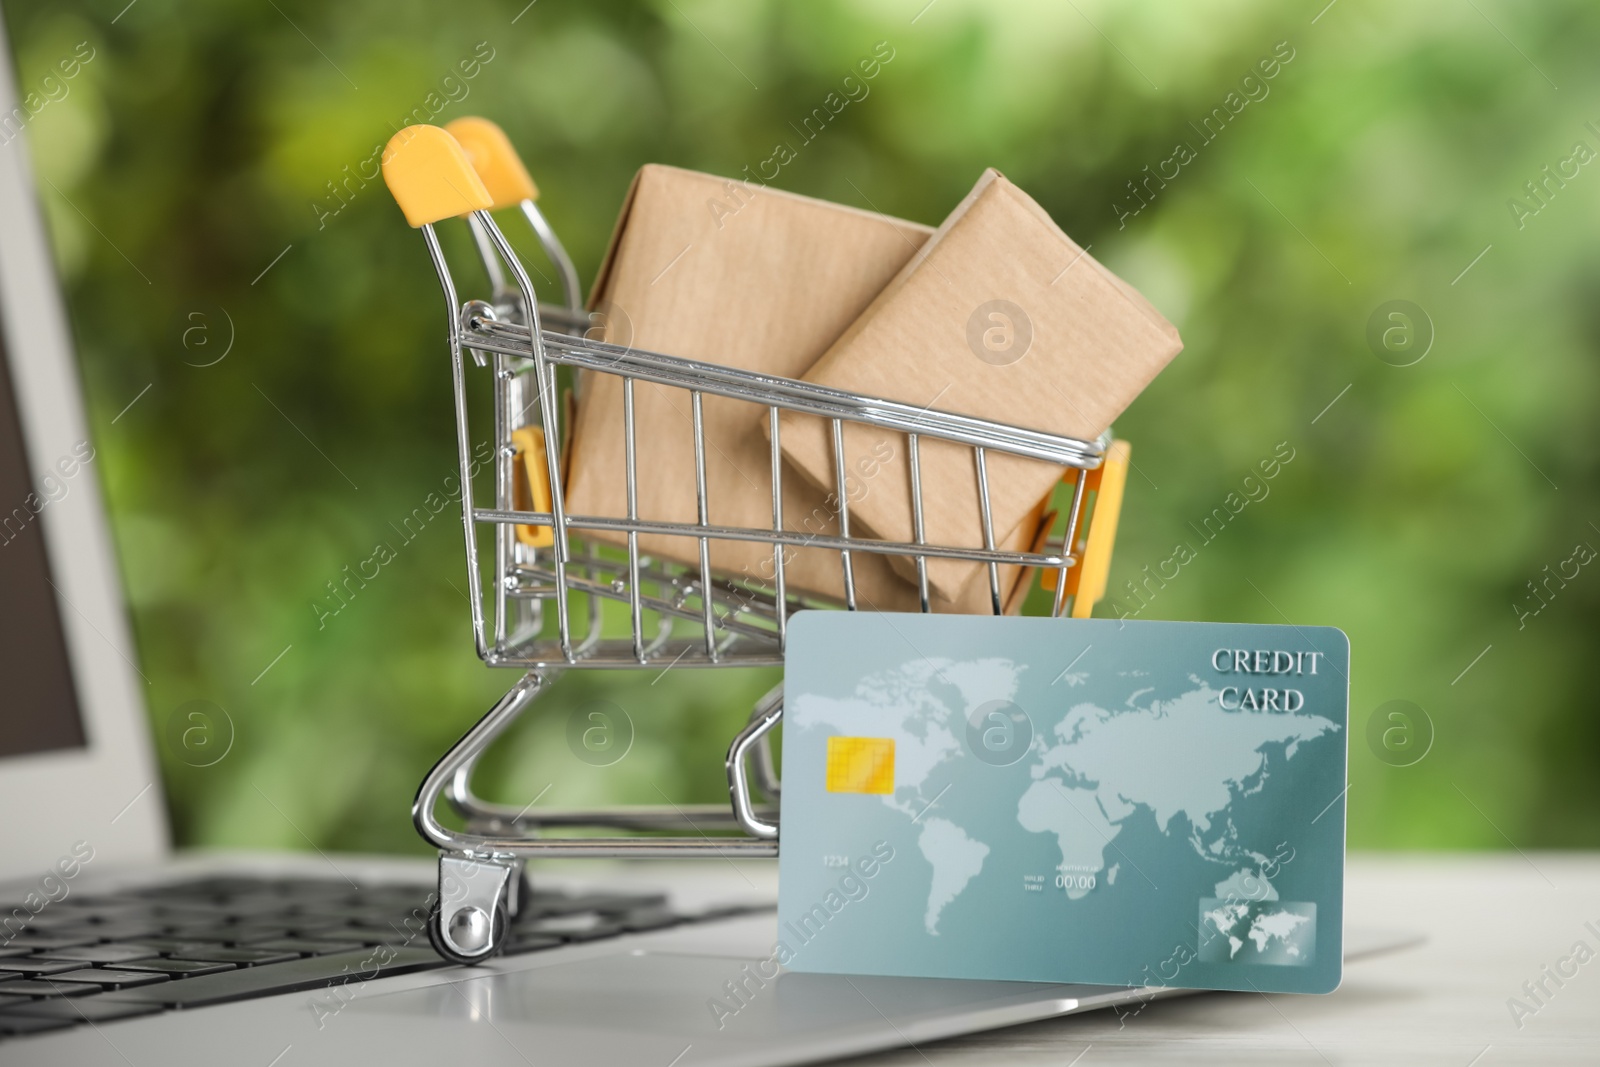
x,y
93,959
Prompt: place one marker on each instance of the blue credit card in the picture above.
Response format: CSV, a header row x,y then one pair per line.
x,y
1059,800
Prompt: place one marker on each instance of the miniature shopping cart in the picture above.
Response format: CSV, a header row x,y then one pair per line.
x,y
550,576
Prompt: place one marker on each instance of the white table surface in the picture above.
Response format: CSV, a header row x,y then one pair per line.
x,y
1493,922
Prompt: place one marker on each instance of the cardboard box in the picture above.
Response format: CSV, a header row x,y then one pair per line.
x,y
745,276
1002,316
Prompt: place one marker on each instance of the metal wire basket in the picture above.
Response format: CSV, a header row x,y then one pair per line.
x,y
549,577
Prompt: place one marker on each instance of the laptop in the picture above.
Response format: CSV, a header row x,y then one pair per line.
x,y
114,949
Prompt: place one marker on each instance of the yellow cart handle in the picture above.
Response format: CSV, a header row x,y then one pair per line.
x,y
510,185
496,162
430,177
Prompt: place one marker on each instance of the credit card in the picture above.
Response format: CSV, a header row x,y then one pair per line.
x,y
1064,800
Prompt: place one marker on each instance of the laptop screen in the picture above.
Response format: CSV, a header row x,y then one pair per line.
x,y
40,705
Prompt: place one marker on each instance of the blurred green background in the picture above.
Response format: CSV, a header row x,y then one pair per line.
x,y
189,164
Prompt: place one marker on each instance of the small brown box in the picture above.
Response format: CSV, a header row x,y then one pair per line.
x,y
745,276
999,316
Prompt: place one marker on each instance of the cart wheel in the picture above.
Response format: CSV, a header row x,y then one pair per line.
x,y
468,935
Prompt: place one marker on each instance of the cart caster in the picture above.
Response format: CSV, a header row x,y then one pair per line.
x,y
470,919
469,935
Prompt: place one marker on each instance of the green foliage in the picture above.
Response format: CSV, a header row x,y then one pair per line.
x,y
189,167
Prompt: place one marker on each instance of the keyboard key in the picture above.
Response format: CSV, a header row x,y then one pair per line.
x,y
104,953
581,927
302,887
541,904
95,1010
304,946
311,973
100,902
726,911
180,968
120,930
246,956
17,1025
401,897
169,945
230,935
202,887
264,905
17,968
49,921
122,927
344,913
109,977
315,928
46,987
13,950
40,943
197,910
367,911
651,918
379,933
181,923
592,933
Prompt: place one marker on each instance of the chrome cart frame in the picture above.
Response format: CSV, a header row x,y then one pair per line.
x,y
543,614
